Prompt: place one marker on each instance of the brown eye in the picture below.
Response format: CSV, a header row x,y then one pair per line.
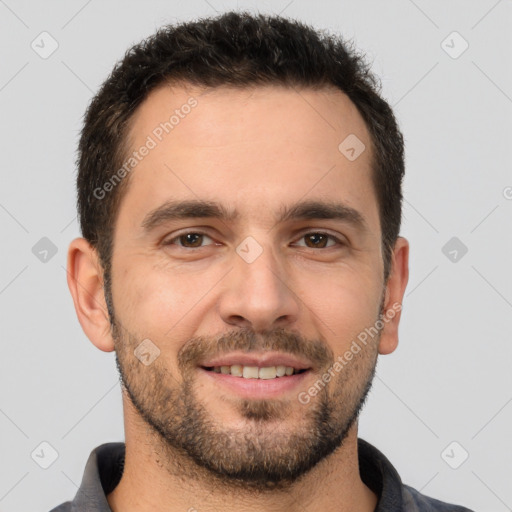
x,y
318,240
190,240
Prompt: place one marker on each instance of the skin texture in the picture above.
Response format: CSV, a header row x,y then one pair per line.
x,y
190,440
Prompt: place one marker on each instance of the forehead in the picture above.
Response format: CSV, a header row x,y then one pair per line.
x,y
228,115
249,149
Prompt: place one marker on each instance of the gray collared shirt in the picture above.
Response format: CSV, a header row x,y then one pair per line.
x,y
105,465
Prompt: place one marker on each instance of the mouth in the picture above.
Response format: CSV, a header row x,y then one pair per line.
x,y
255,372
256,376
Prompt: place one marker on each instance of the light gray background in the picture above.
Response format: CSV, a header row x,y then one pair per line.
x,y
449,380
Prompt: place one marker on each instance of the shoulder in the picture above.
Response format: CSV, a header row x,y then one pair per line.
x,y
63,507
414,501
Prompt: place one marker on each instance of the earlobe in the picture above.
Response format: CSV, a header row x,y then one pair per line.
x,y
395,289
85,282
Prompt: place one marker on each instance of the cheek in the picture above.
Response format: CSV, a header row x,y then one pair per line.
x,y
342,306
158,303
150,303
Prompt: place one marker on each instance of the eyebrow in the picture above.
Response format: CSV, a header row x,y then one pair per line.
x,y
303,210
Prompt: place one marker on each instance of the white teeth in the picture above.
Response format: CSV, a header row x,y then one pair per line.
x,y
236,370
250,372
267,373
253,372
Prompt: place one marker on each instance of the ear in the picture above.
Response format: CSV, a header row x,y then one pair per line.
x,y
395,288
85,282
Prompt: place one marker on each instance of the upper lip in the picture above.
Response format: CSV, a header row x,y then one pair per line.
x,y
260,360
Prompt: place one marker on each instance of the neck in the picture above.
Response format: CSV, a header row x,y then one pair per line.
x,y
176,484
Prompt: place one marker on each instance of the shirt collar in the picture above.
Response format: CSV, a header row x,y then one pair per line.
x,y
102,473
105,465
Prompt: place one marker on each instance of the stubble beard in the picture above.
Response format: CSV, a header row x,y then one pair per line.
x,y
263,456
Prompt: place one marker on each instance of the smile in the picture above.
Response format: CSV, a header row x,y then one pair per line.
x,y
254,372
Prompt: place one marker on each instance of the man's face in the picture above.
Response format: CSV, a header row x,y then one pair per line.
x,y
258,289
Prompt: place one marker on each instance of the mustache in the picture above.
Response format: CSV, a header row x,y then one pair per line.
x,y
317,351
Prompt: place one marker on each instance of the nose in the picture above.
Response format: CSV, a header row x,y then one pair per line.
x,y
258,294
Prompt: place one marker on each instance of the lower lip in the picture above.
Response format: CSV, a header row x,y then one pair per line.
x,y
256,388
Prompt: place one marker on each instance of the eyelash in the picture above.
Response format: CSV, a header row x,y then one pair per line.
x,y
201,233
